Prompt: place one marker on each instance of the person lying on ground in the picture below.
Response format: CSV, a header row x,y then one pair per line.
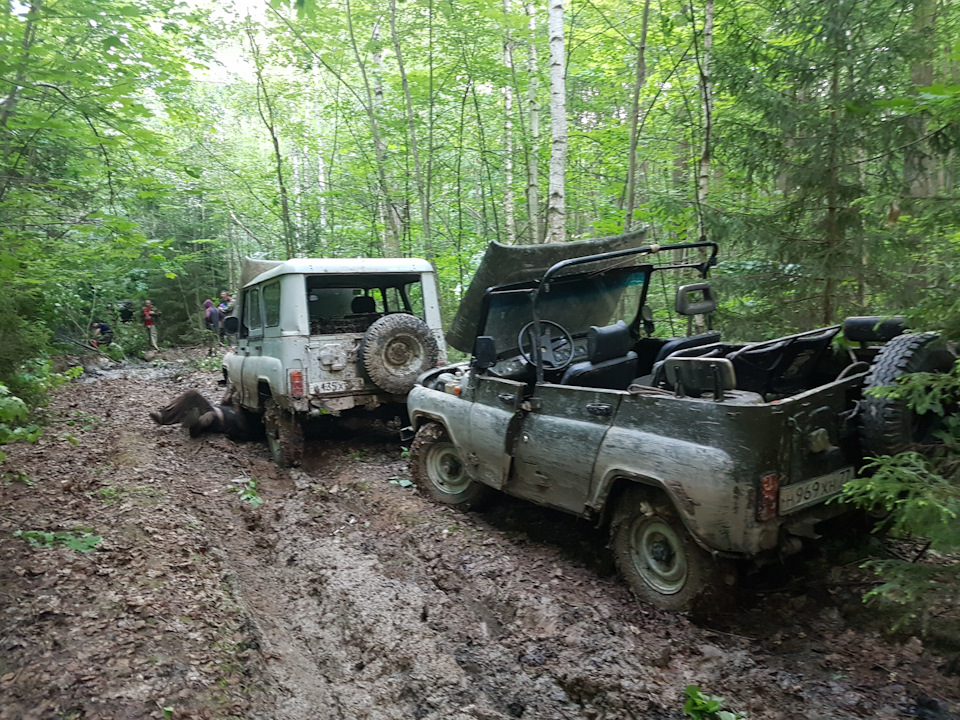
x,y
194,412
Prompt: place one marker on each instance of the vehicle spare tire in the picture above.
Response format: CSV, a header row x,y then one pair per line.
x,y
396,349
888,426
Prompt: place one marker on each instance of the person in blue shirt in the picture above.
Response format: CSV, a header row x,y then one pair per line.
x,y
102,334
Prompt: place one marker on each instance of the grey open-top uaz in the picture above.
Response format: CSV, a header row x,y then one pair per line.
x,y
693,450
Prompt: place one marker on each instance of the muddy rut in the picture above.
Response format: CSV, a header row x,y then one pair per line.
x,y
347,595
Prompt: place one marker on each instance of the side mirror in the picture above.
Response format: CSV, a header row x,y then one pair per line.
x,y
231,325
484,353
696,299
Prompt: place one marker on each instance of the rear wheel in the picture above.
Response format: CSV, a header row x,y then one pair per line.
x,y
659,559
438,470
284,435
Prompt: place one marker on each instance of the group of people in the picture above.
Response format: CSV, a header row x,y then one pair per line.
x,y
214,315
102,333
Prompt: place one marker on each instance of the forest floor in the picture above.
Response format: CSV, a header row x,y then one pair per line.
x,y
347,595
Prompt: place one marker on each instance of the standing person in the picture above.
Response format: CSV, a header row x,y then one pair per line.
x,y
226,304
225,307
149,315
211,316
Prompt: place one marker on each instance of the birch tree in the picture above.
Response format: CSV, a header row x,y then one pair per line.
x,y
533,115
556,199
509,209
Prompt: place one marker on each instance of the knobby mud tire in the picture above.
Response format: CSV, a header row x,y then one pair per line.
x,y
888,426
284,435
396,349
659,559
440,473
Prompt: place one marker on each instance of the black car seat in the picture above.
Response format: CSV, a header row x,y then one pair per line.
x,y
610,362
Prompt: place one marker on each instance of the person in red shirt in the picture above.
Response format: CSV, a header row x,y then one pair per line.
x,y
149,314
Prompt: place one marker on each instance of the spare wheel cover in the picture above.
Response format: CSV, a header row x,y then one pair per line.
x,y
396,349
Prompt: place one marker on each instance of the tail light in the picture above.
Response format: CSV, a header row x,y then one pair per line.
x,y
296,383
769,500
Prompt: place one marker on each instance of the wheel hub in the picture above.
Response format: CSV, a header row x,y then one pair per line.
x,y
399,353
658,555
445,470
662,552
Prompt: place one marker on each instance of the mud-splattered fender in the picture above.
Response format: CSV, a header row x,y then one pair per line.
x,y
714,502
452,411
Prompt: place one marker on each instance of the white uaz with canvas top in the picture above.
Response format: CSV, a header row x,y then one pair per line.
x,y
319,336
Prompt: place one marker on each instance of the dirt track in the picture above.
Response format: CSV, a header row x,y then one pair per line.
x,y
347,595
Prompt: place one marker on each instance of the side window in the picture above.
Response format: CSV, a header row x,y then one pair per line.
x,y
415,296
251,312
271,304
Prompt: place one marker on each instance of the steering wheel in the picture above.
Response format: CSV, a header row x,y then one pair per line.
x,y
556,352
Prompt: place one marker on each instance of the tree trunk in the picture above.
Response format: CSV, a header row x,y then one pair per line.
x,y
10,101
703,178
509,209
412,138
533,110
392,219
556,199
639,78
263,101
918,165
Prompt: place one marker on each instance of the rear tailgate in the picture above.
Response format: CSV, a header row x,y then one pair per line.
x,y
819,450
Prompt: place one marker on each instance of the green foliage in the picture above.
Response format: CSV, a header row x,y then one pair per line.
x,y
703,707
919,499
114,351
13,416
919,493
82,541
209,363
246,490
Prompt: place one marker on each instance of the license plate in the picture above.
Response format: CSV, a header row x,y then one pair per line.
x,y
799,495
336,386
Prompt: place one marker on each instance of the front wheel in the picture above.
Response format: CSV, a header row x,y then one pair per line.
x,y
659,559
284,435
438,470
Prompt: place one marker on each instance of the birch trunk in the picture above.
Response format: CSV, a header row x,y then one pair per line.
x,y
509,209
640,77
533,110
556,199
412,138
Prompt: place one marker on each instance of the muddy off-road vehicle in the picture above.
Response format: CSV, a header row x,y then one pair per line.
x,y
330,336
693,451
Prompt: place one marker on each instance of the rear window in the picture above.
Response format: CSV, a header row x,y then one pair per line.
x,y
351,303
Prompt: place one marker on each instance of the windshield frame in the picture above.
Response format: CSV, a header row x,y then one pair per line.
x,y
560,271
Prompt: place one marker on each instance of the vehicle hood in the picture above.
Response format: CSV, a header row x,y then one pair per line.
x,y
508,264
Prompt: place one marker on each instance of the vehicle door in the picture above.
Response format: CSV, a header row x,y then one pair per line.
x,y
557,444
253,349
493,418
